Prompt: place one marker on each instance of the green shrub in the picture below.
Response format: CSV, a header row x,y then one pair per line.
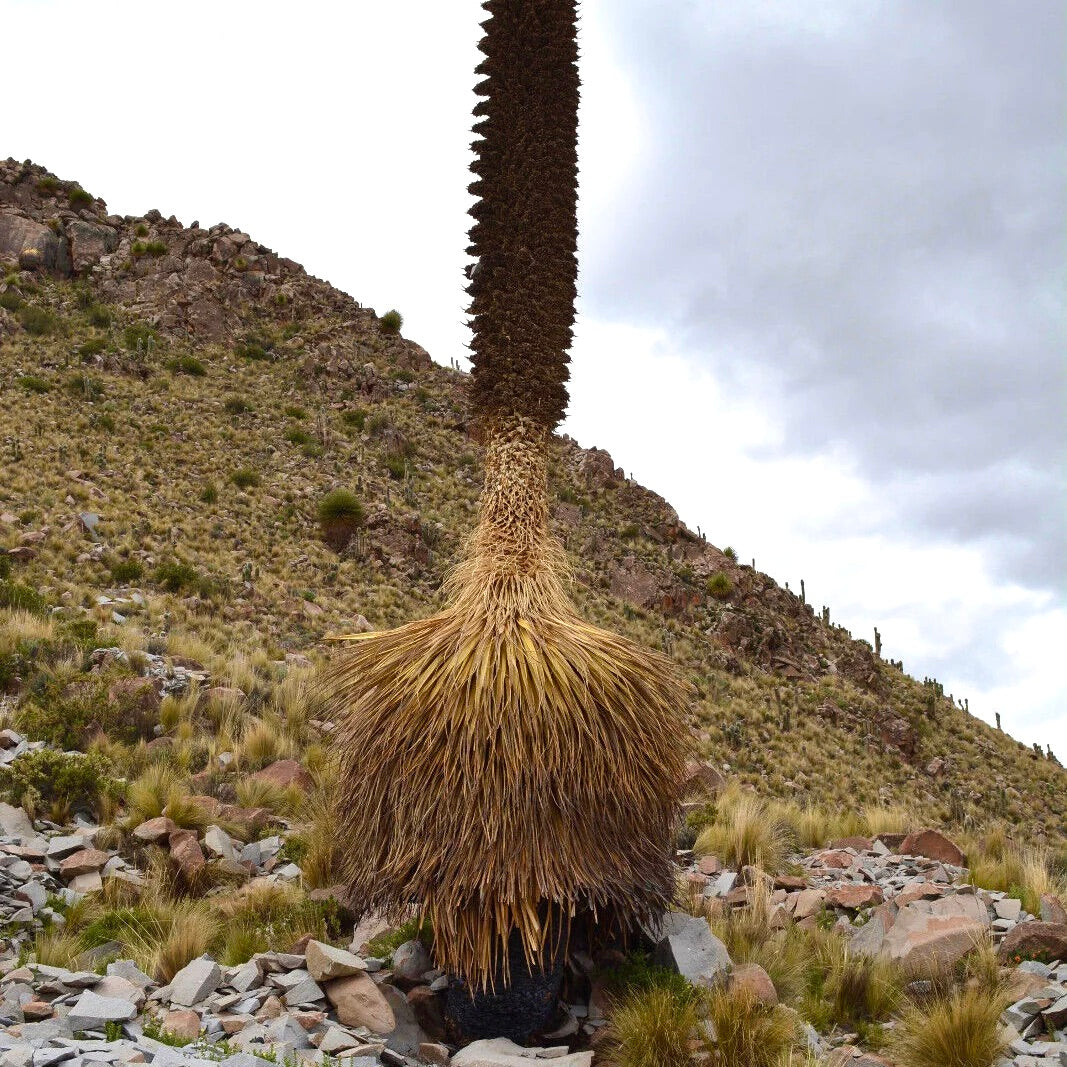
x,y
396,463
297,436
21,598
341,514
47,185
293,411
83,386
730,553
236,405
32,384
68,712
99,315
93,347
357,419
254,346
245,478
209,494
81,631
52,780
652,1028
78,197
748,1031
177,577
10,300
147,248
126,570
391,321
139,335
37,321
960,1030
187,364
720,586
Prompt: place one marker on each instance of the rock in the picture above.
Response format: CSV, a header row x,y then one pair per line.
x,y
807,903
852,897
152,830
284,773
751,977
500,1052
186,852
1008,908
1052,911
306,991
218,841
195,981
121,989
129,970
411,961
936,932
703,780
183,1023
431,1052
36,1010
85,861
88,242
933,845
428,1010
360,1003
325,962
90,882
65,845
91,1011
14,822
35,247
1034,939
688,946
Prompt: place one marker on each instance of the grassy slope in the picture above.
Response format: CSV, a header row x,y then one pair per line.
x,y
157,448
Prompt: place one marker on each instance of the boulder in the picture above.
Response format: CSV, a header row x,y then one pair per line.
x,y
186,852
152,830
852,897
32,245
936,932
411,961
934,846
688,946
182,1022
195,982
1052,911
807,903
325,962
88,242
500,1052
359,1002
14,822
85,861
1035,940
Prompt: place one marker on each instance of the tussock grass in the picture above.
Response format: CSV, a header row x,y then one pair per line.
x,y
961,1029
748,1033
747,830
654,1027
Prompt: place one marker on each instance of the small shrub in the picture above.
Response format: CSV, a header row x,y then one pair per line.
x,y
747,831
209,494
391,322
141,230
296,436
187,365
139,335
37,321
357,419
959,1030
748,1032
254,346
93,347
78,197
82,385
21,598
341,514
730,553
99,315
397,465
177,577
245,478
47,185
719,586
147,248
126,570
236,405
294,411
10,300
32,384
52,781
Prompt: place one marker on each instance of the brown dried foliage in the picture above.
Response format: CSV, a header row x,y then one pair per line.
x,y
504,755
525,235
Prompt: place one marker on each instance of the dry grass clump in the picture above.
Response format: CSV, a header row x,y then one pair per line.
x,y
747,830
160,790
655,1027
864,988
748,1033
1021,872
264,741
961,1029
260,793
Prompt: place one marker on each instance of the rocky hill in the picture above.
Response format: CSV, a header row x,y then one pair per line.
x,y
176,401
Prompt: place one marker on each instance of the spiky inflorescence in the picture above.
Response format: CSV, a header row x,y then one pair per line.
x,y
525,235
504,754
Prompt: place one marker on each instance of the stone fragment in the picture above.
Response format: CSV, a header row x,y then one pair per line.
x,y
91,1011
1052,911
195,981
130,971
853,897
14,822
688,946
500,1052
325,962
284,773
181,1022
1008,908
411,960
152,830
218,841
186,852
359,1002
753,979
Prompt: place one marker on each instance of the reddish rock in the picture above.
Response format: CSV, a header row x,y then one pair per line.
x,y
222,693
891,841
855,896
752,978
429,1011
918,891
35,1010
359,1002
934,846
835,859
183,1023
186,852
284,773
937,933
702,779
860,844
151,830
1035,940
85,861
806,903
790,882
709,865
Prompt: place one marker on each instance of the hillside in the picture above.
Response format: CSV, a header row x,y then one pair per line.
x,y
175,402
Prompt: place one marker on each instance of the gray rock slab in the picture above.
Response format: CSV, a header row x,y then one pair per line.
x,y
91,1011
688,946
195,982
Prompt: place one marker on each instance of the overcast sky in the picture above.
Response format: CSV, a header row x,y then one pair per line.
x,y
822,260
